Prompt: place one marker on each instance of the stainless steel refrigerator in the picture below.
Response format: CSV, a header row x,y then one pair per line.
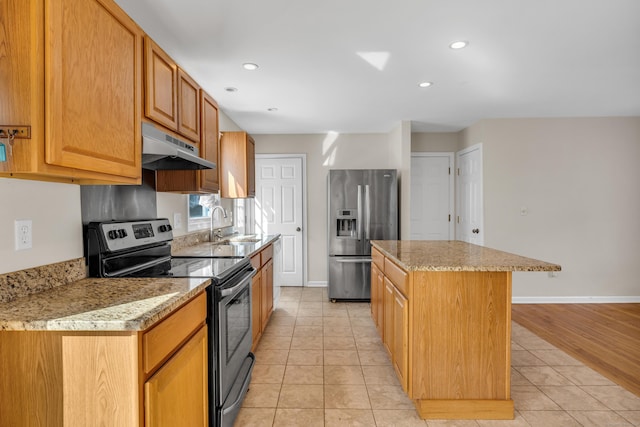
x,y
363,206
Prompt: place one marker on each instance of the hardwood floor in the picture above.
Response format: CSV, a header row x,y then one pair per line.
x,y
605,337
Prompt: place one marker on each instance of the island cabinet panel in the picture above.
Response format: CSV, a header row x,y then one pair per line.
x,y
377,289
71,81
464,339
448,334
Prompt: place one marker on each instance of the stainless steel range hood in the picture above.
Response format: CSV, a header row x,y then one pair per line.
x,y
161,151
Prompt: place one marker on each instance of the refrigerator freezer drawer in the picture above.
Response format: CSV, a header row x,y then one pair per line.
x,y
350,278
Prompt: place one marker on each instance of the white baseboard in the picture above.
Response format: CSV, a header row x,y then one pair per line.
x,y
317,284
575,300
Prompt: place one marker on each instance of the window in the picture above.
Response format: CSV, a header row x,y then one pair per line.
x,y
200,207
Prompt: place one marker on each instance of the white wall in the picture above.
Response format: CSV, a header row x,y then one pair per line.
x,y
324,152
579,180
54,210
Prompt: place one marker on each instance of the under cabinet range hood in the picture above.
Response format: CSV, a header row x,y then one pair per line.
x,y
161,151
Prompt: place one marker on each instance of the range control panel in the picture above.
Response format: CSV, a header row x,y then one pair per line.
x,y
119,235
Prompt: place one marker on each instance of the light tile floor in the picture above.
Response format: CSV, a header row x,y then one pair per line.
x,y
323,364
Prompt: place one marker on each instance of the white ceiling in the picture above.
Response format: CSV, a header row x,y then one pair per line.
x,y
526,58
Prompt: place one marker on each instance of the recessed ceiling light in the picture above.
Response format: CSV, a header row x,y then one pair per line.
x,y
231,89
250,66
458,44
425,84
272,109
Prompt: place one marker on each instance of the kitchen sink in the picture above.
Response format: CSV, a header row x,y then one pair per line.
x,y
241,240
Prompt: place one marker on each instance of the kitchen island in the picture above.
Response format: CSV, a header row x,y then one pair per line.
x,y
443,310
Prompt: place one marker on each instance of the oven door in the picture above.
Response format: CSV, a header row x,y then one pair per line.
x,y
234,358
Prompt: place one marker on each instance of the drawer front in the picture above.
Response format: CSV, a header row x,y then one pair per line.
x,y
163,339
255,261
377,258
398,276
267,254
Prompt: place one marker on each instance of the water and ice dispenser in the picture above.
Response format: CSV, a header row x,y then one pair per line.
x,y
347,223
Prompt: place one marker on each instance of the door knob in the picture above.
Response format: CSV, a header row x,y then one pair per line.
x,y
475,230
298,229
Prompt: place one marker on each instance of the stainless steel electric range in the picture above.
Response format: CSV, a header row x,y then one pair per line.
x,y
142,248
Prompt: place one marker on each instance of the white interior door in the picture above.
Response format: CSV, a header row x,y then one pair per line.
x,y
469,227
279,210
431,196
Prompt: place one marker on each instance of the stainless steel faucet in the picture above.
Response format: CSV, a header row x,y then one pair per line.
x,y
212,234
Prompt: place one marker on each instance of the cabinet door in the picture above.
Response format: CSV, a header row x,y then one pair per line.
x,y
401,337
267,292
93,75
188,107
376,294
237,165
177,395
377,297
388,328
209,147
256,308
161,86
251,167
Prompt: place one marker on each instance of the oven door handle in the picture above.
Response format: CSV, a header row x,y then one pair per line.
x,y
230,291
126,271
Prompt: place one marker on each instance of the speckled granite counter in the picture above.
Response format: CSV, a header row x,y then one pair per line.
x,y
99,305
452,255
239,246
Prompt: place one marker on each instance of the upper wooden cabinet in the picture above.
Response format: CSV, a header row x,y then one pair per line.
x,y
237,165
70,79
161,86
198,181
171,96
188,106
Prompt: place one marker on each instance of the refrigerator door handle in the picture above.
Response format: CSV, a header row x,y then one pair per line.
x,y
359,218
354,261
367,213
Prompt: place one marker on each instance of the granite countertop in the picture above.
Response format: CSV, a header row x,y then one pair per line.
x,y
94,304
453,255
116,304
234,246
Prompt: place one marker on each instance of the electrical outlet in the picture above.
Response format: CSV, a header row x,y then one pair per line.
x,y
24,237
177,221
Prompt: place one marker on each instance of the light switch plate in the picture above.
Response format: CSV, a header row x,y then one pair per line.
x,y
177,221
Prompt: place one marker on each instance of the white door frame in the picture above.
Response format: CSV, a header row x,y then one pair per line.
x,y
303,158
460,153
452,189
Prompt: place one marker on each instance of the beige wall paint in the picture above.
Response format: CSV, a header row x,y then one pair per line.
x,y
578,178
442,142
54,210
324,152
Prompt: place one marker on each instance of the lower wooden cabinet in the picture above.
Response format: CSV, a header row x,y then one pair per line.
x,y
155,377
256,307
261,292
176,395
